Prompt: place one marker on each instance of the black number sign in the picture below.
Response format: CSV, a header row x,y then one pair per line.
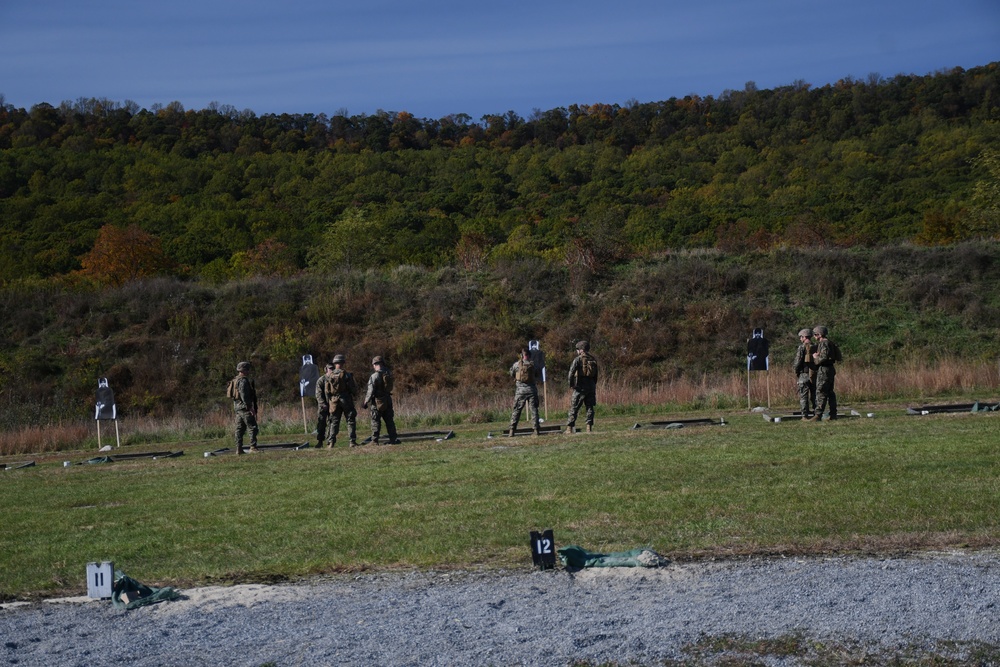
x,y
543,549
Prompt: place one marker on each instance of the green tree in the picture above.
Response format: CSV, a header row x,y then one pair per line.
x,y
986,193
355,240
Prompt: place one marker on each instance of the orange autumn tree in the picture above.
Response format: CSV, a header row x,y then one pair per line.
x,y
121,256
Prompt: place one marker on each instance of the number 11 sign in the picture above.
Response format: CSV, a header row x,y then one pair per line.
x,y
543,549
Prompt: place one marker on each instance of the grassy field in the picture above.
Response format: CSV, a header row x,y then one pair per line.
x,y
888,484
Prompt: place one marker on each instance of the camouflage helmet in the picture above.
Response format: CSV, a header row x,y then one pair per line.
x,y
583,345
804,333
338,358
820,330
377,360
329,366
242,366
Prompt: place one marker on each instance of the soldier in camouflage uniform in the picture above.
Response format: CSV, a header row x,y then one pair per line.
x,y
825,356
341,389
245,405
583,380
525,391
379,399
322,406
805,374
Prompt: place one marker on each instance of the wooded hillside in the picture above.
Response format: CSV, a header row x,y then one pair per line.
x,y
221,193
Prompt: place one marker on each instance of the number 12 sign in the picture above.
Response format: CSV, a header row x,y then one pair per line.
x,y
543,549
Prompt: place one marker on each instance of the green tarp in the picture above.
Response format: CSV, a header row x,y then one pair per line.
x,y
578,557
137,594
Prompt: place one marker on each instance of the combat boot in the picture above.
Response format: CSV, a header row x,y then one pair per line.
x,y
536,432
510,433
354,443
590,428
240,450
569,430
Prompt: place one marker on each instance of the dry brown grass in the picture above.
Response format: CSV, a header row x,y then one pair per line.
x,y
917,380
39,439
913,383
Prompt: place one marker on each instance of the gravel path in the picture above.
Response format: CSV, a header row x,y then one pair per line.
x,y
787,610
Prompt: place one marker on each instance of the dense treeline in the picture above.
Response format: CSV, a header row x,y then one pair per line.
x,y
168,345
222,194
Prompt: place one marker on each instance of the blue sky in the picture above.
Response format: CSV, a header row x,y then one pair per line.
x,y
435,58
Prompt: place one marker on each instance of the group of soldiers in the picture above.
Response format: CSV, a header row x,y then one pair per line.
x,y
337,388
582,379
335,392
815,372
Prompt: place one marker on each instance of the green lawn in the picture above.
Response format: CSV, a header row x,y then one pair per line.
x,y
885,484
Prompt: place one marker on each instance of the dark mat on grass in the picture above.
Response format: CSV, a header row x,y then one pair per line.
x,y
681,423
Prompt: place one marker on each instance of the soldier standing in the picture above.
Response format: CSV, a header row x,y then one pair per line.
x,y
379,399
825,356
805,374
525,391
245,404
341,389
583,380
322,406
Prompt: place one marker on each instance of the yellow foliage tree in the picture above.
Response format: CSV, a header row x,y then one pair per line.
x,y
121,256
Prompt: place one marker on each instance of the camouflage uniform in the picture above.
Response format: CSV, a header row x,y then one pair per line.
x,y
322,406
245,405
525,392
805,374
341,388
825,356
584,386
378,399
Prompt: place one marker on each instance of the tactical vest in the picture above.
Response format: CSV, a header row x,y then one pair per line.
x,y
387,381
231,390
337,383
525,372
